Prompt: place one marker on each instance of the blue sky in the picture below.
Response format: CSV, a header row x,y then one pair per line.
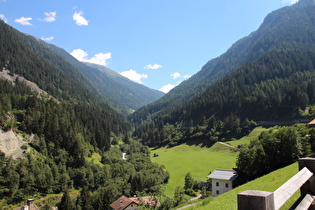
x,y
157,43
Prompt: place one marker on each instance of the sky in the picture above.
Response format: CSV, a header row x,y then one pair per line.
x,y
157,43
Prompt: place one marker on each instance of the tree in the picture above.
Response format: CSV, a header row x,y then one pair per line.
x,y
66,203
189,181
84,199
179,195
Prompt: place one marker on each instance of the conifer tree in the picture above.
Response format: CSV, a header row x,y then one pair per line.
x,y
66,203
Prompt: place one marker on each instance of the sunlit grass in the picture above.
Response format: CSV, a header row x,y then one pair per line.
x,y
198,161
269,182
95,158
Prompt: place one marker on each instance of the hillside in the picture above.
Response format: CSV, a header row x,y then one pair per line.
x,y
121,92
276,85
52,122
269,182
125,91
286,28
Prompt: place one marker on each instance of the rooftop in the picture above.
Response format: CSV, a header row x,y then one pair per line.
x,y
122,203
223,174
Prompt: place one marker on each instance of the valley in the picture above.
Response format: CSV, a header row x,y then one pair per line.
x,y
199,160
77,135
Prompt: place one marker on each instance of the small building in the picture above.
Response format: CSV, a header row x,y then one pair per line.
x,y
30,205
312,123
222,181
156,155
124,203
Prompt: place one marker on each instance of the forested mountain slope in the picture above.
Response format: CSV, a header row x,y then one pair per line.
x,y
121,92
285,28
23,55
274,86
60,133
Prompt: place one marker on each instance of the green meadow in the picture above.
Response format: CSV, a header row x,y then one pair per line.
x,y
198,161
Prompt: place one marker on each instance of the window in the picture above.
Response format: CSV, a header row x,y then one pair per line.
x,y
217,184
218,192
227,185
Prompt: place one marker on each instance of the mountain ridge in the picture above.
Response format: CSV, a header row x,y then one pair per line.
x,y
269,35
122,93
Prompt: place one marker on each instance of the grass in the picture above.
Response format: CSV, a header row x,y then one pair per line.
x,y
269,182
198,161
95,158
251,136
51,199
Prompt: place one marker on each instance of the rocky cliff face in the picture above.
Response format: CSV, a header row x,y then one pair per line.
x,y
12,145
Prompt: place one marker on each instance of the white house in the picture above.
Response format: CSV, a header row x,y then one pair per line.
x,y
222,181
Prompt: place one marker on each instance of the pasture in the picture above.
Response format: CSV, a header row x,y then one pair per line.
x,y
198,161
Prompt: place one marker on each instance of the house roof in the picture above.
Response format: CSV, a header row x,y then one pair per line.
x,y
223,174
150,200
122,202
312,122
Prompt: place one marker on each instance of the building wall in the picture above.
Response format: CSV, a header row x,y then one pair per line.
x,y
220,186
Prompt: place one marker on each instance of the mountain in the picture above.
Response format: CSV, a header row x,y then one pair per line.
x,y
280,29
127,92
122,93
275,83
24,56
53,122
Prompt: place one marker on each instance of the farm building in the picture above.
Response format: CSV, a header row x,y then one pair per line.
x,y
222,181
124,203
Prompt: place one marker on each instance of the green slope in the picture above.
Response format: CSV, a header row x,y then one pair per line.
x,y
269,182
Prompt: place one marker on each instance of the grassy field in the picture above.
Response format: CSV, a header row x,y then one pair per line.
x,y
198,161
269,182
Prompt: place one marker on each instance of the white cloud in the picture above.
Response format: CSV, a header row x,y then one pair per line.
x,y
175,75
79,54
50,16
24,21
154,66
167,88
47,38
134,76
100,58
187,76
2,17
290,1
79,19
